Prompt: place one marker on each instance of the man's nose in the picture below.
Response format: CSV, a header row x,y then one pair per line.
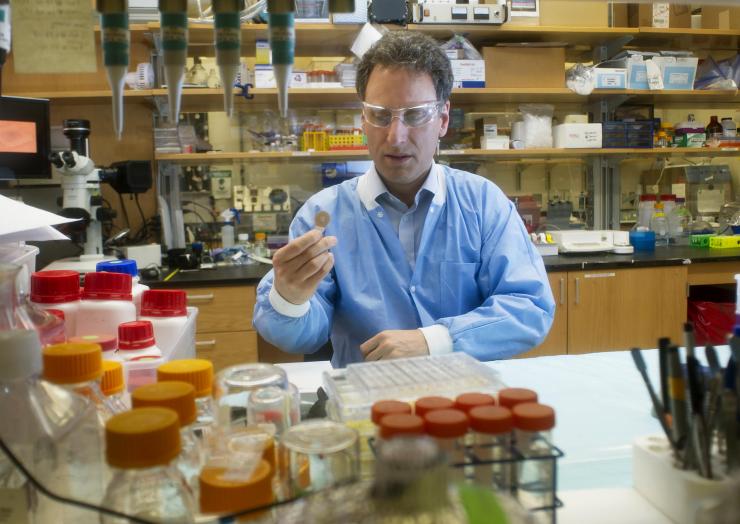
x,y
397,132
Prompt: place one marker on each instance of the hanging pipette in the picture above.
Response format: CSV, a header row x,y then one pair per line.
x,y
174,33
115,40
227,40
281,30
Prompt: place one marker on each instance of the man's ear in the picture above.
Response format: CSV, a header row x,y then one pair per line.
x,y
444,117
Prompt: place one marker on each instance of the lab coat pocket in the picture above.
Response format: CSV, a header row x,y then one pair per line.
x,y
459,287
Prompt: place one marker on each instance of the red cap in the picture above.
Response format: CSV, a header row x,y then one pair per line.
x,y
388,407
648,196
135,335
510,397
53,287
491,420
667,197
531,416
426,404
106,342
107,286
468,401
446,423
164,303
399,424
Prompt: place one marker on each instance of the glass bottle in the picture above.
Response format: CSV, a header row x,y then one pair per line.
x,y
714,131
492,428
729,128
535,475
260,245
659,224
141,446
449,427
113,386
199,373
679,220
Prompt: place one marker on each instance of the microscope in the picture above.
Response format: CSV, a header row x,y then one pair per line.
x,y
82,198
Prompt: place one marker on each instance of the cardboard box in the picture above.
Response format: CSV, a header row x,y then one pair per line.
x,y
468,73
620,15
524,66
494,142
610,78
641,15
576,136
720,17
574,13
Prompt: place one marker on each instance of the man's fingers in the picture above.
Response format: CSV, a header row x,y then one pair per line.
x,y
314,280
297,246
378,353
370,344
311,253
312,268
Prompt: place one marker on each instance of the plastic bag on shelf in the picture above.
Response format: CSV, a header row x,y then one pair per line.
x,y
536,125
459,43
718,75
580,79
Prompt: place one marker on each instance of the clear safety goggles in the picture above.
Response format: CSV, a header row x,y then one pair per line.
x,y
416,116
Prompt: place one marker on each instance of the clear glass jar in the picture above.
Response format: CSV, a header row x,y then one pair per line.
x,y
424,405
449,427
382,408
234,384
141,446
492,428
659,224
270,405
400,424
535,474
199,373
510,397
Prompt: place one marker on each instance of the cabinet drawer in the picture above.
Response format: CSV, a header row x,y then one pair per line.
x,y
222,309
227,349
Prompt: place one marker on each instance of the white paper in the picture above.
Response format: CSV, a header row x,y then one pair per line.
x,y
19,221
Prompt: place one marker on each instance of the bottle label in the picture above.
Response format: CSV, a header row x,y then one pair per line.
x,y
14,507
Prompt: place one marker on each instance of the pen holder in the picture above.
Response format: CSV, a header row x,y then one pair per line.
x,y
685,497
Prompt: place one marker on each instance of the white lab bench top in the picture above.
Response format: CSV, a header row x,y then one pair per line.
x,y
601,406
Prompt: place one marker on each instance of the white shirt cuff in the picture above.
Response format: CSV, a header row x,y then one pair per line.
x,y
286,308
438,339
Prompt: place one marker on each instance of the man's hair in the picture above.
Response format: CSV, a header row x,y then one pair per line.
x,y
408,50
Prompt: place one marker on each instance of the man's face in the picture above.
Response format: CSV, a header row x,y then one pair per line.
x,y
402,154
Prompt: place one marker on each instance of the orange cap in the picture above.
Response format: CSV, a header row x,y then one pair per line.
x,y
531,416
178,396
468,401
72,363
492,420
222,490
112,381
510,397
195,371
387,407
398,424
426,404
142,438
446,423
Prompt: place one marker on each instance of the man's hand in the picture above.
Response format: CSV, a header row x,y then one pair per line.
x,y
395,343
301,264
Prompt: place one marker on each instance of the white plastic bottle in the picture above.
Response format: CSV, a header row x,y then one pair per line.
x,y
167,310
141,446
58,290
137,349
106,303
128,267
51,430
227,230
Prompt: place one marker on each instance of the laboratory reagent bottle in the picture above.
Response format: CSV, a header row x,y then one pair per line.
x,y
106,303
142,446
58,290
167,310
138,350
199,373
127,267
113,386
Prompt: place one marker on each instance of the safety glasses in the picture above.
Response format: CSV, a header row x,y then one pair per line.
x,y
416,116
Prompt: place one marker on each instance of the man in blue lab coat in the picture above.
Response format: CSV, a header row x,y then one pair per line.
x,y
418,258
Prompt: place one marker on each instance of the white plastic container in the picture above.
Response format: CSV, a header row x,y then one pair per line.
x,y
106,303
58,290
127,267
137,349
166,309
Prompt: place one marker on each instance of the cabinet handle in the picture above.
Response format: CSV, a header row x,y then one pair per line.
x,y
200,298
578,290
205,343
562,291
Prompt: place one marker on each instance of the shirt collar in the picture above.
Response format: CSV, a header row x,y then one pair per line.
x,y
370,186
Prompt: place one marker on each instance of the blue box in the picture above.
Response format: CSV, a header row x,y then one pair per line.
x,y
678,72
611,78
637,75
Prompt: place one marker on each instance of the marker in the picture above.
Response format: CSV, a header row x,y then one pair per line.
x,y
657,405
663,345
677,393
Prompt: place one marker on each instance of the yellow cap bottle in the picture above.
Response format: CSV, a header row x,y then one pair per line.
x,y
72,363
112,381
142,438
197,372
178,396
224,491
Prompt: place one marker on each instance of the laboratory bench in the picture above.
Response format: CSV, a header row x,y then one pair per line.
x,y
603,302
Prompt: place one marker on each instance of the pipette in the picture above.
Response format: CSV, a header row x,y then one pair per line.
x,y
115,40
174,34
281,30
227,40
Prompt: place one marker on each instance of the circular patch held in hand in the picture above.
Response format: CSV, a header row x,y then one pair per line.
x,y
322,219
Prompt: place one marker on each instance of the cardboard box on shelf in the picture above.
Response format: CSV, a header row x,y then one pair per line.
x,y
524,66
653,15
468,73
578,13
717,17
619,15
576,136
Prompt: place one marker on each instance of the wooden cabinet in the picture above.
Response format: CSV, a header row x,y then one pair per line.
x,y
622,308
556,342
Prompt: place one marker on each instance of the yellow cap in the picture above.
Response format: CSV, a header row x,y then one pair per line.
x,y
72,363
142,438
178,396
260,236
195,371
112,381
221,491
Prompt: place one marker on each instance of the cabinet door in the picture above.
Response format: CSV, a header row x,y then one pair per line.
x,y
556,342
223,309
623,308
227,349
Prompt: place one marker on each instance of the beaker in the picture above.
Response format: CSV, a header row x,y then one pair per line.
x,y
234,383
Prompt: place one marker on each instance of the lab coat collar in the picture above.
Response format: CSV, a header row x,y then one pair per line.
x,y
370,186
